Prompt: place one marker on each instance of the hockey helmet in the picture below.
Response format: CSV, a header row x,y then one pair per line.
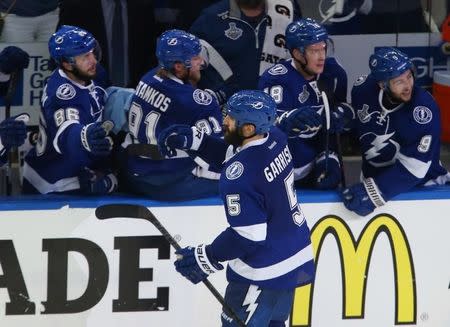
x,y
304,32
388,63
177,46
70,41
253,107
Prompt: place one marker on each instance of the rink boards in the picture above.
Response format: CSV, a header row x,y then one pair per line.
x,y
60,266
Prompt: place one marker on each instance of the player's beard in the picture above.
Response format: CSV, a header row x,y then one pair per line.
x,y
233,137
249,4
81,75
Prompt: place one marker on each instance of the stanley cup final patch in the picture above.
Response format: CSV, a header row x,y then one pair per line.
x,y
233,32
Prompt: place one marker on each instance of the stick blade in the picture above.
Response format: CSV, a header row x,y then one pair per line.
x,y
120,210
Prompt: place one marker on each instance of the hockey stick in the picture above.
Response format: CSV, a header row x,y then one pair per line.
x,y
146,150
13,177
108,211
326,108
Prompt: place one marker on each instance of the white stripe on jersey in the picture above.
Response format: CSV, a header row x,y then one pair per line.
x,y
61,129
44,187
275,270
416,167
254,233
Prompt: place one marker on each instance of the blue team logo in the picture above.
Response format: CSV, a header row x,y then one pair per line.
x,y
65,92
257,105
277,70
234,171
360,80
172,41
233,32
202,97
422,115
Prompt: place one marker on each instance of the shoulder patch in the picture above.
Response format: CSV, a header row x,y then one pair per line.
x,y
422,115
234,171
278,69
202,97
360,80
65,92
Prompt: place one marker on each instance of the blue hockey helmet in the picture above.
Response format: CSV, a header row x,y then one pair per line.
x,y
388,63
253,107
177,46
304,32
70,41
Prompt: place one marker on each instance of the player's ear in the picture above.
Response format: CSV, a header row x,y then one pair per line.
x,y
248,130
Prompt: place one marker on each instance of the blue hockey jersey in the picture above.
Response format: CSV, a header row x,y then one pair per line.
x,y
159,103
291,90
400,147
268,241
59,156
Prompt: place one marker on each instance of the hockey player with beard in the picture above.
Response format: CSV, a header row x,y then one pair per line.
x,y
165,96
296,85
72,152
267,244
398,124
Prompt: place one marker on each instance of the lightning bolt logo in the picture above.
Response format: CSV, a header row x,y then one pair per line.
x,y
250,300
378,143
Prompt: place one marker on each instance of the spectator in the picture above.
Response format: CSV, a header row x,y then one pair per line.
x,y
72,152
28,20
244,38
13,129
296,85
125,30
165,97
398,124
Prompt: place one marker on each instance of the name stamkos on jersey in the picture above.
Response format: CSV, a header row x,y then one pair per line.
x,y
278,70
202,97
152,96
65,91
422,115
234,171
278,165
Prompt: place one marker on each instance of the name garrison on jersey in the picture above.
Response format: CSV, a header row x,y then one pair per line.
x,y
152,96
278,164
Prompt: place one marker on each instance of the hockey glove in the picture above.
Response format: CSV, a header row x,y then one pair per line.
x,y
195,264
13,58
363,198
342,118
97,184
13,131
182,137
95,139
219,96
327,172
299,121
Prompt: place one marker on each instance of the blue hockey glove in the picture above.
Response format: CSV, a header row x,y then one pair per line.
x,y
327,172
95,139
13,131
363,198
97,184
219,96
299,121
13,58
342,118
182,137
195,264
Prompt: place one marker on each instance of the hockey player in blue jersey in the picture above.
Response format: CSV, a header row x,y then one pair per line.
x,y
12,130
296,85
73,148
166,96
267,244
398,124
